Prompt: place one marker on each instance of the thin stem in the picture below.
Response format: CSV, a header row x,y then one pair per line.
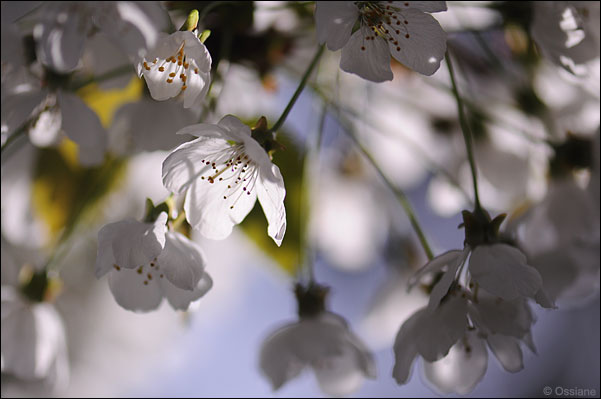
x,y
467,136
399,194
10,139
114,73
298,91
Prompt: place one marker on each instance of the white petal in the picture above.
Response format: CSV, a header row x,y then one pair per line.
x,y
425,45
507,351
83,126
405,350
60,43
130,291
497,316
271,193
277,360
334,21
425,6
181,261
180,299
369,59
183,166
442,328
502,270
135,243
343,374
238,131
18,337
211,214
436,264
461,370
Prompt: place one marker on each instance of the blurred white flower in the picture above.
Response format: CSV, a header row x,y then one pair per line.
x,y
403,29
148,125
223,172
567,32
180,63
52,112
145,263
33,339
62,31
320,340
33,336
560,235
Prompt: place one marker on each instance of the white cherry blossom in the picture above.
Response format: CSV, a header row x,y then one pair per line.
x,y
324,342
145,263
404,30
180,64
222,173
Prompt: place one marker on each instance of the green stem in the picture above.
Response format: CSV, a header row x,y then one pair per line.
x,y
467,136
399,194
298,91
119,71
10,139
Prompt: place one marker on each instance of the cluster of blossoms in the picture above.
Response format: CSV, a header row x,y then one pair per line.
x,y
478,296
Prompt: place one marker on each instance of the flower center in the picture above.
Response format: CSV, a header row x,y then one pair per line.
x,y
384,20
233,170
175,68
153,269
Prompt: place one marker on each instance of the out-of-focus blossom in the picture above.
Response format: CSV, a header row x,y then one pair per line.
x,y
145,263
322,341
33,336
62,31
404,30
455,356
50,112
567,32
180,64
560,235
223,172
148,125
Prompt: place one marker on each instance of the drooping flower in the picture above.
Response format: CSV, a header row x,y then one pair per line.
x,y
320,340
404,30
146,263
180,64
455,356
222,173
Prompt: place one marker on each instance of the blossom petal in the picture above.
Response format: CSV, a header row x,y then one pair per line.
x,y
425,6
442,328
405,350
502,270
435,265
180,299
420,44
271,193
462,369
277,360
441,288
61,38
497,316
370,59
135,244
507,351
183,166
182,261
334,21
83,126
133,291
